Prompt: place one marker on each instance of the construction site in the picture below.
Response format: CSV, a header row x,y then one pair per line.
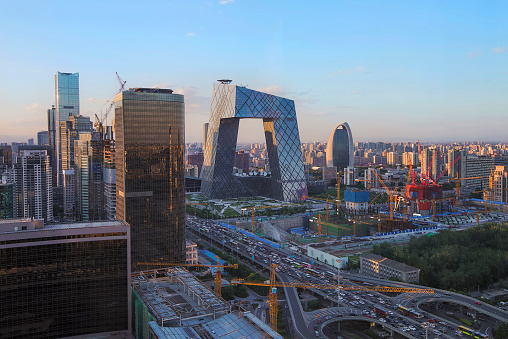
x,y
172,303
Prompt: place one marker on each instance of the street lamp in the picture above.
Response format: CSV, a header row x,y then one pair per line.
x,y
426,325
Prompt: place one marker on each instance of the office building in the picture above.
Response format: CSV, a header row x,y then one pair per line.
x,y
5,158
230,104
69,195
33,186
340,147
70,132
6,200
109,177
64,280
42,138
499,184
197,160
242,160
89,164
373,265
67,105
52,129
330,175
149,153
478,167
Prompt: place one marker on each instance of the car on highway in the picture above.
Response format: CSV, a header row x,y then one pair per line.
x,y
316,333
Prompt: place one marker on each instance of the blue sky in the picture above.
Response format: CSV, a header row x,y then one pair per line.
x,y
394,70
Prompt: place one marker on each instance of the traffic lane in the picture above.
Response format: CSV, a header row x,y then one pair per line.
x,y
296,310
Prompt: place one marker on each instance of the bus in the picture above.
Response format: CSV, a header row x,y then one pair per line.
x,y
469,332
306,265
311,271
409,311
379,312
330,274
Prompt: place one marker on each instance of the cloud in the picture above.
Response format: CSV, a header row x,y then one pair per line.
x,y
359,93
473,54
225,2
162,85
194,103
498,50
348,72
191,34
33,107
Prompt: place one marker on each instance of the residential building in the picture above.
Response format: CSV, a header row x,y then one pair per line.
x,y
500,184
6,200
149,154
64,280
197,160
373,265
33,184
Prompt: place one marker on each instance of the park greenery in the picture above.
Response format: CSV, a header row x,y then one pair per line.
x,y
460,261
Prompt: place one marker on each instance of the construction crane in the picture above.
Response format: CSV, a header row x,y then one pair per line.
x,y
218,275
446,169
99,123
457,187
120,82
273,284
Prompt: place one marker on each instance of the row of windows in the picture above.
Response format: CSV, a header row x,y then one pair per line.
x,y
74,236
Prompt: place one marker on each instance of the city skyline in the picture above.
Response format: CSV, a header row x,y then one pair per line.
x,y
398,72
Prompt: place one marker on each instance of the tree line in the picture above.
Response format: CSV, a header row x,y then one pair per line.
x,y
461,261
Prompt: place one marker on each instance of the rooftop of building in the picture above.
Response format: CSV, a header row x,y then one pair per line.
x,y
234,325
176,298
399,266
25,225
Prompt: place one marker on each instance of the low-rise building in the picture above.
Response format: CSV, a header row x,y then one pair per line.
x,y
373,265
191,253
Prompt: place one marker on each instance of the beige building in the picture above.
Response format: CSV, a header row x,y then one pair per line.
x,y
191,253
376,266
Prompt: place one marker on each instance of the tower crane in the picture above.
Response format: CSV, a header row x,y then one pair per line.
x,y
273,284
218,275
457,187
120,82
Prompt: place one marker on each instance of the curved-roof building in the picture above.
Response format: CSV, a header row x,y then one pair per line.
x,y
340,147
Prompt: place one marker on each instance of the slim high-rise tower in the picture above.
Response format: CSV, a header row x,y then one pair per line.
x,y
150,145
67,104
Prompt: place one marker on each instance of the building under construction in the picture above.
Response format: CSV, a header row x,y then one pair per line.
x,y
424,198
172,303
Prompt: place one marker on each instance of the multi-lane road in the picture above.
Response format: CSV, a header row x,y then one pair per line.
x,y
351,305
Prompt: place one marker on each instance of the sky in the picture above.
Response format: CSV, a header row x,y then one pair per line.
x,y
394,70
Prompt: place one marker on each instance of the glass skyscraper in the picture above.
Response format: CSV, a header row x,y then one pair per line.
x,y
150,145
230,104
64,280
340,147
67,104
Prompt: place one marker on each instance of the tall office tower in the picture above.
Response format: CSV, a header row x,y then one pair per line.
x,y
149,149
5,158
89,164
64,280
70,131
32,176
340,147
197,160
109,177
67,105
242,161
6,199
42,138
205,133
52,142
230,104
69,194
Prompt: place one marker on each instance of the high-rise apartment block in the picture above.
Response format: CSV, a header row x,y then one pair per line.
x,y
150,145
64,280
33,184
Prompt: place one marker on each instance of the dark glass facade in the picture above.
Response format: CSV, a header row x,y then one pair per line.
x,y
340,147
6,201
64,282
229,105
150,145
